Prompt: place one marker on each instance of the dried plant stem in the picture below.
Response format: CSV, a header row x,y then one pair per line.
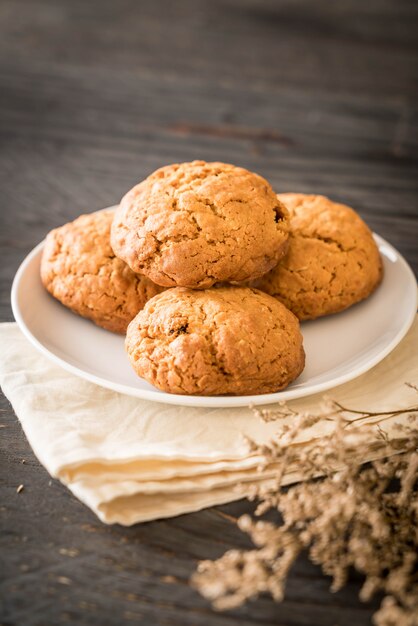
x,y
352,517
365,414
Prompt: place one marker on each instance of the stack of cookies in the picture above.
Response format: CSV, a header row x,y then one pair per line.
x,y
208,272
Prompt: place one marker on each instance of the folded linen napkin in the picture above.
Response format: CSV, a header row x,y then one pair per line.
x,y
132,460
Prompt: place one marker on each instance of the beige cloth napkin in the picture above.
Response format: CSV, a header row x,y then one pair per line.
x,y
131,460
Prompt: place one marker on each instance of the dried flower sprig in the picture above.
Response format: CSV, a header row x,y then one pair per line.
x,y
356,515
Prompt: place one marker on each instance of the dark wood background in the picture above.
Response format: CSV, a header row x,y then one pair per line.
x,y
316,96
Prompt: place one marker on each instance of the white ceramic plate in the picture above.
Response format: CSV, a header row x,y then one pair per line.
x,y
338,348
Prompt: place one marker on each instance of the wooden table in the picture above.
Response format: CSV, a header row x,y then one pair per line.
x,y
316,96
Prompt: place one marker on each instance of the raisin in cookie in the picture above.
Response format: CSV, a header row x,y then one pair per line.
x,y
332,262
229,340
195,224
80,269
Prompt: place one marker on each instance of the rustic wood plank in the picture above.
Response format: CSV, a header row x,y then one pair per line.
x,y
317,97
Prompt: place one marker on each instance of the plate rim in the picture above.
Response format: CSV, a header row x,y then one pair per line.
x,y
212,401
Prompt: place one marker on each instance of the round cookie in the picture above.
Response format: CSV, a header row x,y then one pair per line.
x,y
195,224
332,261
80,269
229,340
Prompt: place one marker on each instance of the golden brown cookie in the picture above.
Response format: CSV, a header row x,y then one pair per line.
x,y
332,261
230,340
195,224
80,269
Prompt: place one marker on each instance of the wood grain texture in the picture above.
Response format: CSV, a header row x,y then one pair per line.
x,y
316,97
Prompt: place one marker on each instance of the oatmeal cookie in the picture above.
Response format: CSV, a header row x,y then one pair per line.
x,y
332,261
196,224
229,340
80,269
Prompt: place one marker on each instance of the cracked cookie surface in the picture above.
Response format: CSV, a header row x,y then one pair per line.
x,y
332,262
229,340
80,269
196,224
